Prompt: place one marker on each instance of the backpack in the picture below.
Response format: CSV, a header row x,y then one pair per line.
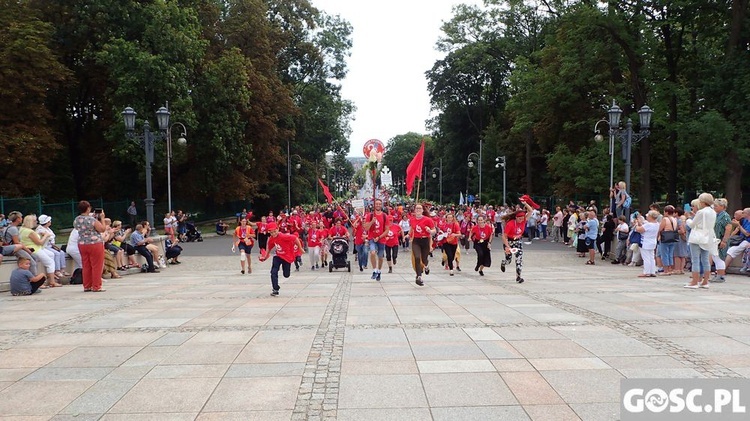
x,y
77,277
628,201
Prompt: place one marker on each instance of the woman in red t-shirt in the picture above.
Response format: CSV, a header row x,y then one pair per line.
x,y
313,244
422,229
391,243
515,224
244,238
451,231
481,236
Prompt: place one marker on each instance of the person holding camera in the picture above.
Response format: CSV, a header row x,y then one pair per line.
x,y
90,227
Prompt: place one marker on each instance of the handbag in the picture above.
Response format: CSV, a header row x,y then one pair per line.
x,y
698,237
670,236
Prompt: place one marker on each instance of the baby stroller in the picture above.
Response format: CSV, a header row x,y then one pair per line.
x,y
192,233
339,249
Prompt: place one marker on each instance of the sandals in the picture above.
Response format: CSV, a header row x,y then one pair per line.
x,y
590,262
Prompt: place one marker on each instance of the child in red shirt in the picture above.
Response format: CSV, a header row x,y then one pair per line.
x,y
391,244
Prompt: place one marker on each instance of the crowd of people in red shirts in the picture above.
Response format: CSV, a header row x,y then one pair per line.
x,y
378,233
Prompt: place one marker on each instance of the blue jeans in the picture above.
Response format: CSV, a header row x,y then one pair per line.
x,y
362,250
667,254
544,231
378,248
699,259
286,268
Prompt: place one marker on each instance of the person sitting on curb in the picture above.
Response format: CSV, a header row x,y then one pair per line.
x,y
22,281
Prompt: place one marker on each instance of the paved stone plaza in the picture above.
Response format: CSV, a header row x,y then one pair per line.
x,y
199,341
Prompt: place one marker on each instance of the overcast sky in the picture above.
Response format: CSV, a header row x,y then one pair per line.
x,y
394,45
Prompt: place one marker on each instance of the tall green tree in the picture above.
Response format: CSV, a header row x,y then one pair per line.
x,y
28,145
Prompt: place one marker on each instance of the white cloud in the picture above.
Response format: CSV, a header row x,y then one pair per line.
x,y
393,47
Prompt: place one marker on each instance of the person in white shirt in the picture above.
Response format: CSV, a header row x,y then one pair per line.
x,y
405,227
621,233
649,229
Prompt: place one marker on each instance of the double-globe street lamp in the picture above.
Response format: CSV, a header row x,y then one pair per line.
x,y
500,163
626,136
148,139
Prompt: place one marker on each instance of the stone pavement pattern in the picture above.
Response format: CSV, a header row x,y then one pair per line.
x,y
199,341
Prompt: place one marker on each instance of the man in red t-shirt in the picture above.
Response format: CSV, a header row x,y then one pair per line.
x,y
287,247
376,224
421,232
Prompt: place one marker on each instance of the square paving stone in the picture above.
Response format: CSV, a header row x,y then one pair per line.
x,y
380,352
550,349
68,373
150,417
661,373
167,395
96,357
256,393
460,366
35,357
483,334
53,397
447,351
14,374
223,338
378,367
617,347
543,364
377,336
150,356
512,364
205,354
246,416
498,413
381,391
173,339
467,389
597,411
641,362
265,370
551,413
530,388
528,333
713,345
498,349
437,335
387,414
100,397
585,386
187,371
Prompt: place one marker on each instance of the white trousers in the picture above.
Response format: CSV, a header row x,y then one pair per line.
x,y
649,261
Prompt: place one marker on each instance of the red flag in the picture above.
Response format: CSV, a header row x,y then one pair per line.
x,y
414,170
326,192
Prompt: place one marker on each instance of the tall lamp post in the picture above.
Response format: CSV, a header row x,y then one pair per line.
x,y
148,139
298,165
500,163
181,140
626,136
435,172
470,162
